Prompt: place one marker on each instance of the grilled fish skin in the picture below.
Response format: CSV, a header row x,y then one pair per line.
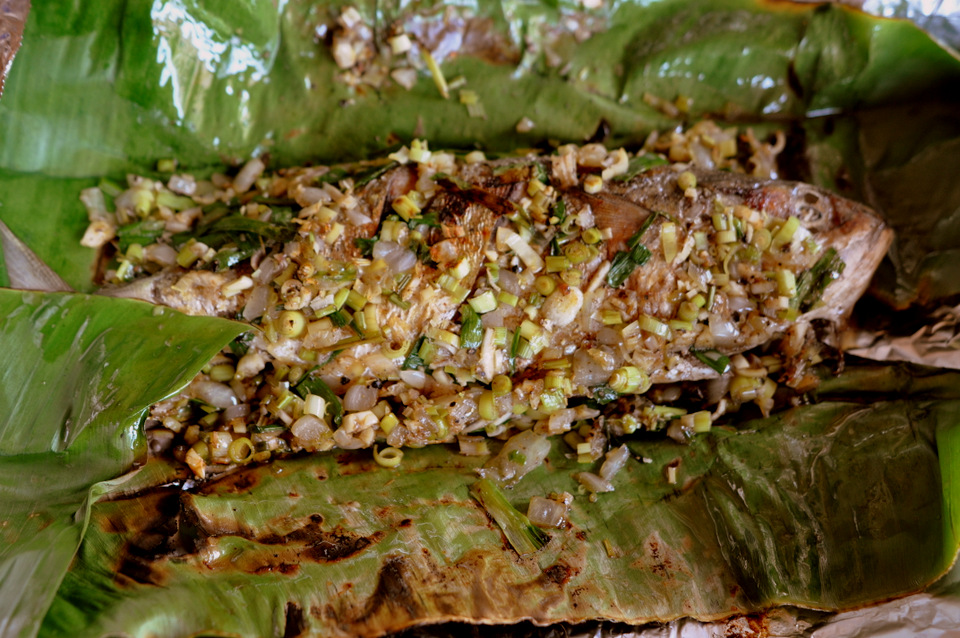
x,y
577,270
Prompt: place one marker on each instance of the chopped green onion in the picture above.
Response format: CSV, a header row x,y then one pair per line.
x,y
545,284
629,380
787,231
484,302
786,283
577,252
591,236
653,326
501,385
726,236
533,333
388,422
292,323
396,300
552,400
508,298
406,207
668,241
315,385
241,450
687,180
610,317
557,263
487,406
812,283
625,262
390,457
522,535
720,363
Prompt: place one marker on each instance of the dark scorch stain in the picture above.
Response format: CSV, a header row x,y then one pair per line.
x,y
294,625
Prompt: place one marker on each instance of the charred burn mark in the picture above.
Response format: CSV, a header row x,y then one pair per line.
x,y
153,507
237,483
140,571
320,545
601,133
392,591
294,624
338,545
793,79
183,534
558,574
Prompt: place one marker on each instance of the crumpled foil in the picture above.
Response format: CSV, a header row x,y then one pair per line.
x,y
936,344
934,613
13,15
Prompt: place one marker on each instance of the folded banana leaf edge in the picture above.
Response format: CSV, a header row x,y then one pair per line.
x,y
845,502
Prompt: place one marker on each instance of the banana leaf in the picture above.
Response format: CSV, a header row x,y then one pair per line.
x,y
77,374
102,89
833,505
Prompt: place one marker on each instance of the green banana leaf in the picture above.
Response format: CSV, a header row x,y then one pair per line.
x,y
102,89
830,506
77,374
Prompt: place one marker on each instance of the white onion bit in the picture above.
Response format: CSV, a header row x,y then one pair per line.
x,y
616,459
545,512
216,394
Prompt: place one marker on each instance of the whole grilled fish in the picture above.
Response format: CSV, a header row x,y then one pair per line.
x,y
441,295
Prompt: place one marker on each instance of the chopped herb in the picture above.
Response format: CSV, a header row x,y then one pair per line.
x,y
560,211
241,344
265,429
333,176
311,384
363,177
413,360
604,394
143,232
626,261
541,172
471,330
640,164
431,219
812,283
365,245
719,362
232,254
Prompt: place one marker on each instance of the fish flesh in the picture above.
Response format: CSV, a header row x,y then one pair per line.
x,y
433,295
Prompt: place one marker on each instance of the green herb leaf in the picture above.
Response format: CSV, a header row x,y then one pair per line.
x,y
604,394
471,329
719,362
413,361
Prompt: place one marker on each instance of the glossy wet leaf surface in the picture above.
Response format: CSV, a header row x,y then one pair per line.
x,y
828,506
78,374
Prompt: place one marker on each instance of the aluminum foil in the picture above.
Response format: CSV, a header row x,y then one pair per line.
x,y
13,15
